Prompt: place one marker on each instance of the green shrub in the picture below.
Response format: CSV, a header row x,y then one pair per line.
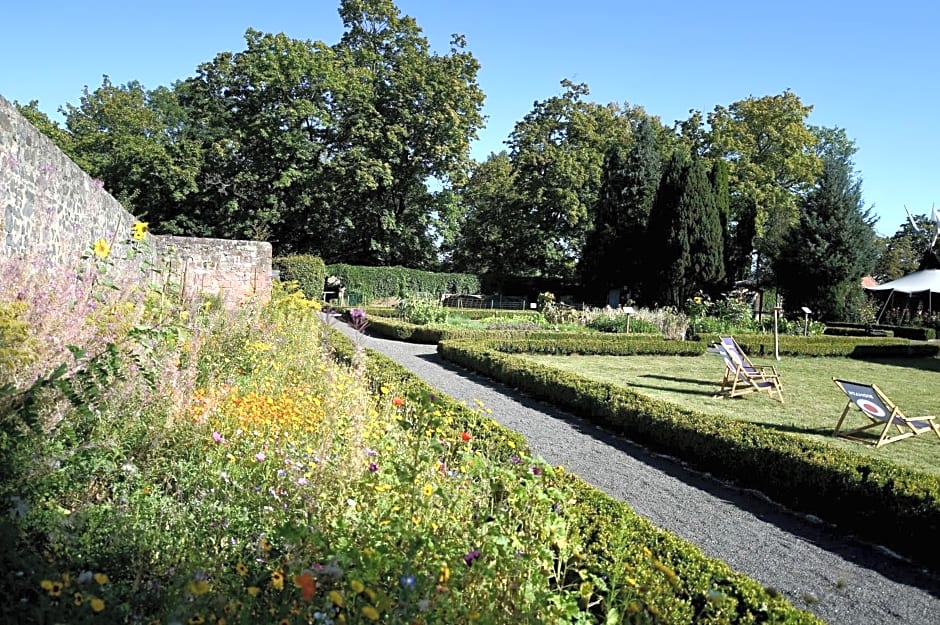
x,y
421,311
619,324
308,271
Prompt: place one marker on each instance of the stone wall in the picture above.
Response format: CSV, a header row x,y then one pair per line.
x,y
51,210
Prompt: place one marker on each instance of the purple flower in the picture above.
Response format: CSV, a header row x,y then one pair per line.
x,y
472,555
407,581
373,468
515,460
357,315
302,481
217,437
536,471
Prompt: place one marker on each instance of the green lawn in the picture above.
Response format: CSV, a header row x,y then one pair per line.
x,y
812,403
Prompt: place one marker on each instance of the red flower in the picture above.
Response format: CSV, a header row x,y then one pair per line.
x,y
398,401
465,436
307,584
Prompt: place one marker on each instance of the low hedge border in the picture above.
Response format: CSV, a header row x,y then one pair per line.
x,y
619,545
860,494
909,332
757,345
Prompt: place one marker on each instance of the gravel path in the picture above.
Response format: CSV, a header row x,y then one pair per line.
x,y
841,580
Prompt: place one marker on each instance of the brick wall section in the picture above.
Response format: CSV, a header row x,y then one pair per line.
x,y
52,210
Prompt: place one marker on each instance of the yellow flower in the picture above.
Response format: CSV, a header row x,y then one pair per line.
x,y
102,249
370,613
241,569
78,598
97,605
357,586
277,580
101,578
445,575
199,587
427,490
46,584
337,598
196,619
253,591
139,230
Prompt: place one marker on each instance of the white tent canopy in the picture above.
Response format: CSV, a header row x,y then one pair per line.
x,y
917,282
924,281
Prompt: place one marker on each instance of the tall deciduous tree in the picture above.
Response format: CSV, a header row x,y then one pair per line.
x,y
120,135
409,116
772,162
557,151
824,257
490,224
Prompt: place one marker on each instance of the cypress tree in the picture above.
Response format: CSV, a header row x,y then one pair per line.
x,y
665,264
699,207
613,257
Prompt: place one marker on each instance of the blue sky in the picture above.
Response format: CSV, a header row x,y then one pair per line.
x,y
870,68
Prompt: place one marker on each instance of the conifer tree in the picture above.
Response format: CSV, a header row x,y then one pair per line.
x,y
825,255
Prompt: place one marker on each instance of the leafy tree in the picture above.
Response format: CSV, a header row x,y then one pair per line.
x,y
824,257
772,164
490,222
407,116
120,135
557,151
902,252
46,126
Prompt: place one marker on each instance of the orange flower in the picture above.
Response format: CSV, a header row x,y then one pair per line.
x,y
307,584
398,401
465,436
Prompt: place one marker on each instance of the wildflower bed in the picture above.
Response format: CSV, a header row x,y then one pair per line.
x,y
209,468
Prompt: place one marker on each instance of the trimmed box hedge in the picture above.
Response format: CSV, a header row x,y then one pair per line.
x,y
860,494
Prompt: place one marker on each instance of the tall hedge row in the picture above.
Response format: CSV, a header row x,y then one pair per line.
x,y
378,282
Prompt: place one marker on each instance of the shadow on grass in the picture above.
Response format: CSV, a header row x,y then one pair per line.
x,y
673,389
670,378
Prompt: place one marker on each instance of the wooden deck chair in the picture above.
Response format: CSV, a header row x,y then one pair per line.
x,y
743,377
880,413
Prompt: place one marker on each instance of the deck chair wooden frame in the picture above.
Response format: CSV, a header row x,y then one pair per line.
x,y
880,412
743,377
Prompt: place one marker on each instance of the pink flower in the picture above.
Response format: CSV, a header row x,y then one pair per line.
x,y
217,437
260,456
